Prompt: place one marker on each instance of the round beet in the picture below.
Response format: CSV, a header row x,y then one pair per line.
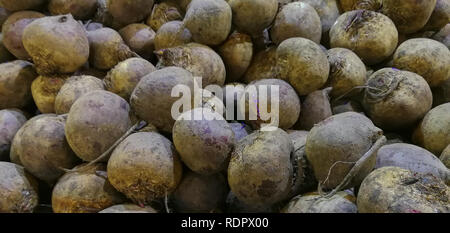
x,y
297,19
95,121
85,191
209,21
334,146
42,147
303,63
144,167
18,190
396,190
260,171
124,77
425,57
204,140
288,104
433,132
396,99
347,71
371,35
152,98
57,44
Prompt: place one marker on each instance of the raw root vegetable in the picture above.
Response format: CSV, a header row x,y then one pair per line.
x,y
45,89
18,189
42,147
440,16
145,167
172,34
262,66
347,71
80,9
128,209
413,158
124,77
12,31
432,133
297,19
425,57
342,202
198,59
204,145
209,21
200,194
10,122
162,13
18,5
288,104
371,35
57,44
445,157
396,99
140,39
315,108
253,16
342,150
303,64
74,88
303,179
15,84
396,190
85,191
237,53
95,122
152,98
107,48
253,179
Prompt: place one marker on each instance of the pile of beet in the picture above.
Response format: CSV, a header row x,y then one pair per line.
x,y
361,90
